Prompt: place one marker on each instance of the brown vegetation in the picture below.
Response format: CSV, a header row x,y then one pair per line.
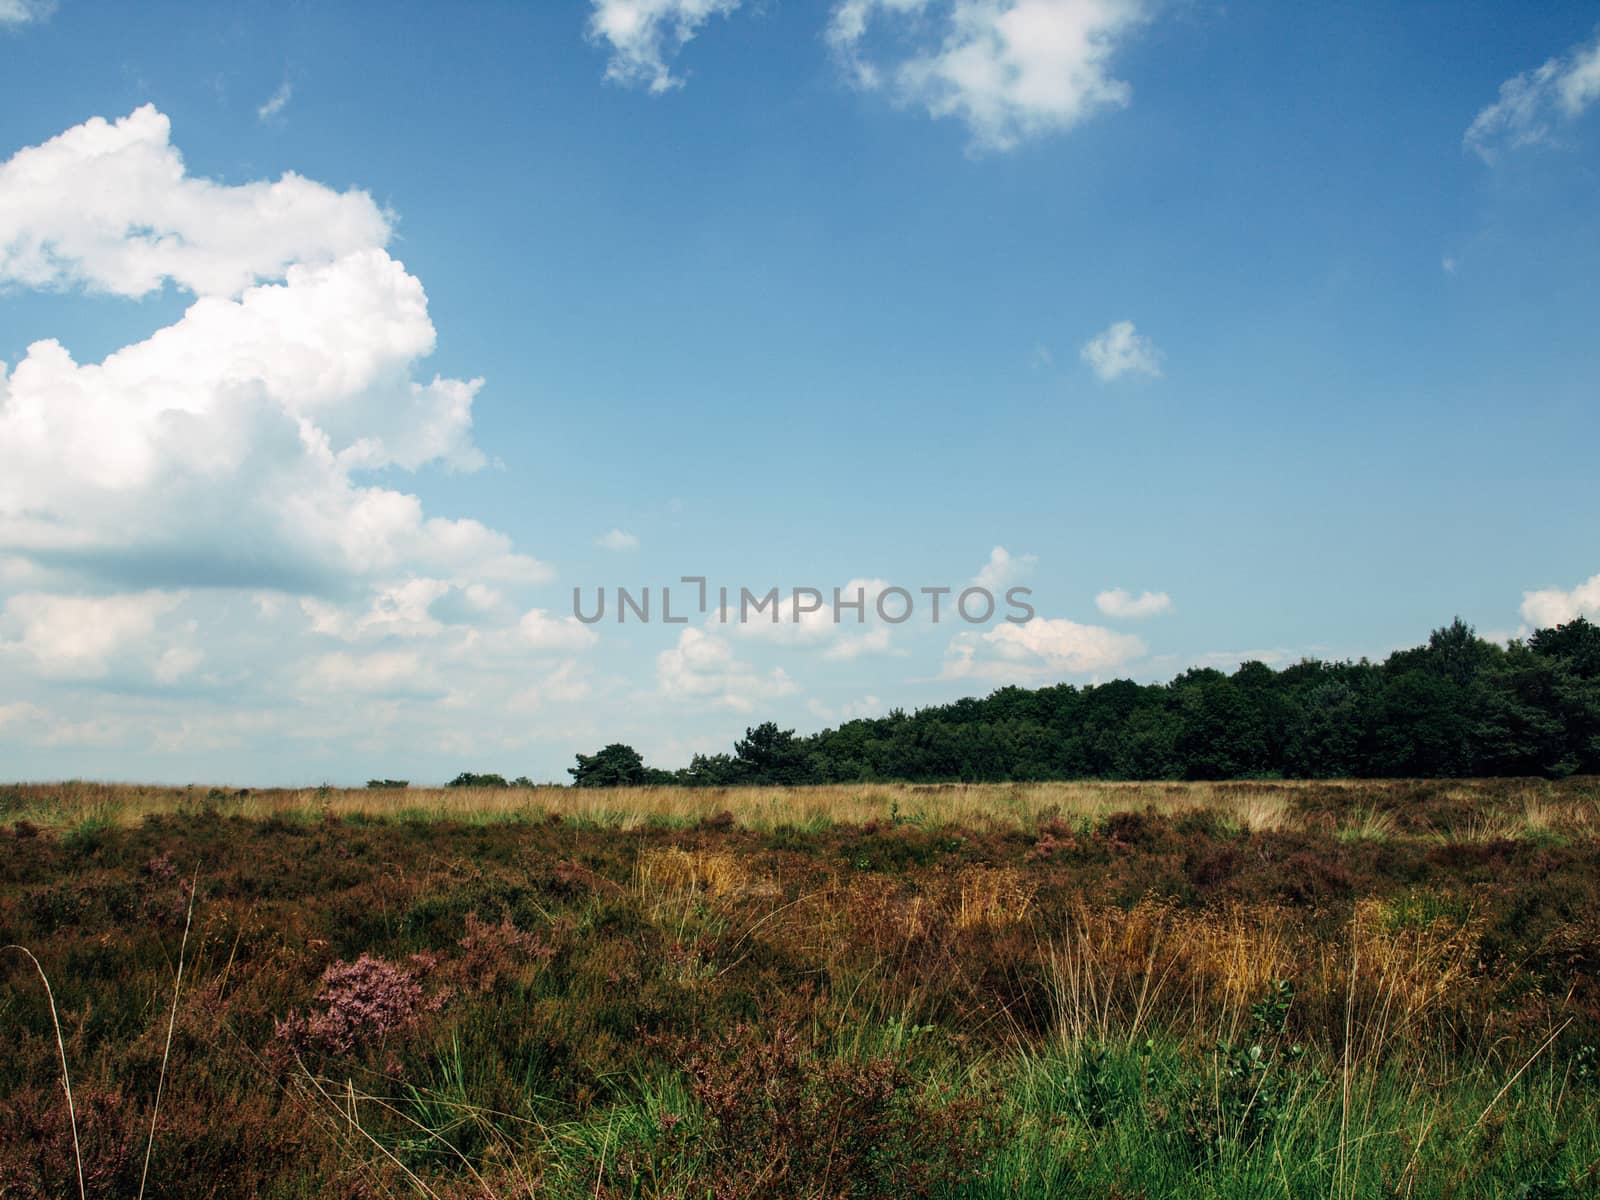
x,y
664,993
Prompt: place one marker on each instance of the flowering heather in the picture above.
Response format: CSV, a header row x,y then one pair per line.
x,y
361,1003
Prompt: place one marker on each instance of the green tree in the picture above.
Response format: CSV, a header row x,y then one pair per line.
x,y
615,766
769,755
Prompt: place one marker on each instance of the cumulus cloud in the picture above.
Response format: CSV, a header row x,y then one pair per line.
x,y
644,34
108,204
1042,647
804,616
199,510
1553,606
617,540
396,610
848,649
79,637
1120,350
1010,70
1003,570
16,13
802,625
227,448
277,102
703,667
807,618
561,684
1126,606
540,631
1532,106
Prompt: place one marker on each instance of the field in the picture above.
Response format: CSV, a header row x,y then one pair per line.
x,y
1080,990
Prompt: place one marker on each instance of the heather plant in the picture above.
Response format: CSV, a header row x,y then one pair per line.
x,y
360,1003
39,1156
493,956
780,1120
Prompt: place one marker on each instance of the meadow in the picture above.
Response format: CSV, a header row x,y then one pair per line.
x,y
1329,989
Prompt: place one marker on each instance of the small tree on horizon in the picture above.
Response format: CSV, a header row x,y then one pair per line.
x,y
618,765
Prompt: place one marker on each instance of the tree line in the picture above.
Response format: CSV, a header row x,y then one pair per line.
x,y
1456,706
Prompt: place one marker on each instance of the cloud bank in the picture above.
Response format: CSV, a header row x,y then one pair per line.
x,y
212,509
229,448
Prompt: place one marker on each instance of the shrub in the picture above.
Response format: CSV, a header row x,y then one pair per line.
x,y
362,1002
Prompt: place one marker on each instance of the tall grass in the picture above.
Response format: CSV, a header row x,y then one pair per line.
x,y
1368,808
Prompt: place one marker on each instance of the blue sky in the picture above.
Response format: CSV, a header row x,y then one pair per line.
x,y
1281,318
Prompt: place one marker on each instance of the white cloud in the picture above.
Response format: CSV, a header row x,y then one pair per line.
x,y
195,512
396,610
1120,350
564,683
848,649
176,663
1042,647
540,631
277,102
702,666
1553,606
1004,569
807,619
1533,104
843,640
224,449
15,13
644,34
849,638
1128,607
617,540
1009,69
107,204
78,637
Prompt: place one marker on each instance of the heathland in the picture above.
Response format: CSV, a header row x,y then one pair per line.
x,y
1332,989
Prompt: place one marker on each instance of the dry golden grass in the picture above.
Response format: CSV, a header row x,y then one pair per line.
x,y
989,897
1364,808
1118,975
1198,970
